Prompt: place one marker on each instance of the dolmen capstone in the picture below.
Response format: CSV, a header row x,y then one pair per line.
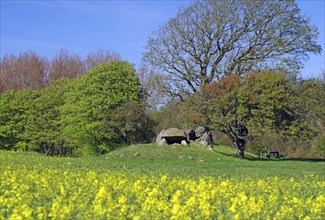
x,y
200,134
171,136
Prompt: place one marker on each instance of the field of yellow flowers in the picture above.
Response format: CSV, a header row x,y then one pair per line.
x,y
61,189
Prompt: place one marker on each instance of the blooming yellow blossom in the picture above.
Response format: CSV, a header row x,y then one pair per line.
x,y
41,192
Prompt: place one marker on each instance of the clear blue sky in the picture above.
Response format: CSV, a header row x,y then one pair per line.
x,y
118,26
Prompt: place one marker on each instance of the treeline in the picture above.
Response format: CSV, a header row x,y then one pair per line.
x,y
31,71
69,106
91,114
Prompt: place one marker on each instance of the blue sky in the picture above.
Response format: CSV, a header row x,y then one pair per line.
x,y
118,26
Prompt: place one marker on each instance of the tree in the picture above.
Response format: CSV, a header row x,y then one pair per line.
x,y
171,115
90,104
101,56
132,123
322,76
23,120
310,95
30,71
219,106
257,105
7,138
210,39
152,84
46,132
29,120
65,66
26,71
265,102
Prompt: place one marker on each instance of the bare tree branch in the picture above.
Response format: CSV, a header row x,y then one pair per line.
x,y
210,39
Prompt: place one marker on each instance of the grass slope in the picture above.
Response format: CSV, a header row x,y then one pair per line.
x,y
197,160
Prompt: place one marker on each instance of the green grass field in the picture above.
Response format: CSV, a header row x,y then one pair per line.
x,y
198,161
154,182
193,161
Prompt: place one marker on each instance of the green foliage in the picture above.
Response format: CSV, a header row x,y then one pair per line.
x,y
90,102
318,146
6,135
264,102
33,120
132,123
88,115
268,103
283,111
309,95
24,119
172,115
48,133
222,102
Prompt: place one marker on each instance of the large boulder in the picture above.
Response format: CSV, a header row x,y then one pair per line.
x,y
171,136
204,136
200,130
162,142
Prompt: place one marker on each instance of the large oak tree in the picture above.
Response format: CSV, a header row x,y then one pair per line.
x,y
210,39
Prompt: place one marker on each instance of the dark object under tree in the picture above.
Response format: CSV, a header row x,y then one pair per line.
x,y
274,154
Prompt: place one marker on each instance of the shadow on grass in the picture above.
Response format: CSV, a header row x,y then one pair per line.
x,y
251,158
305,159
233,155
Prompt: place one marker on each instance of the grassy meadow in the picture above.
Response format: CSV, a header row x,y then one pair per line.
x,y
153,182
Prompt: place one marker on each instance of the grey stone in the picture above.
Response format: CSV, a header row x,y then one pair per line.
x,y
172,136
184,143
162,142
199,131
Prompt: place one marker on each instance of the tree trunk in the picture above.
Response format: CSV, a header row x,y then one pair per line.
x,y
240,147
240,152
